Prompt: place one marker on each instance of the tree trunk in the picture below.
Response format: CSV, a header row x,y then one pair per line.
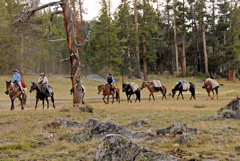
x,y
184,64
175,40
145,76
137,39
204,47
74,56
232,75
21,70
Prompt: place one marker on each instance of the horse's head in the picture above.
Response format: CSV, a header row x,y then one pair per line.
x,y
144,85
33,87
204,84
124,87
177,87
100,89
8,86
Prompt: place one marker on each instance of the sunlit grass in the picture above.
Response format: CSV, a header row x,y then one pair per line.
x,y
29,131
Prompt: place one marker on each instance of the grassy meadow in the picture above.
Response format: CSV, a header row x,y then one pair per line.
x,y
29,135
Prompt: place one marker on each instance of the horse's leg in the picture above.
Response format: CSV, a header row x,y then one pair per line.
x,y
21,100
129,96
82,99
112,98
178,95
52,99
153,97
47,102
104,99
213,94
36,103
182,96
12,104
107,99
216,92
43,103
150,96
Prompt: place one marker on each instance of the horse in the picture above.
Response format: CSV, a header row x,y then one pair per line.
x,y
209,88
14,92
41,94
179,87
83,93
152,89
105,89
129,92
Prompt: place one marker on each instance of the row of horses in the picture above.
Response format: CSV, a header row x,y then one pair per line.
x,y
126,87
14,92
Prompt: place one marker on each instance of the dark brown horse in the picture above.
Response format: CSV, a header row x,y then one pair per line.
x,y
42,94
152,89
105,89
207,84
14,92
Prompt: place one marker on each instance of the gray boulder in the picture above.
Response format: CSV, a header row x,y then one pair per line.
x,y
231,110
116,147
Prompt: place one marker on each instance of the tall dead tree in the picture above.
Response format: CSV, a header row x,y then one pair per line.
x,y
175,37
72,44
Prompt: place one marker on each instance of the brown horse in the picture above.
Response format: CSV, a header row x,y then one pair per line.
x,y
105,89
152,89
14,92
209,87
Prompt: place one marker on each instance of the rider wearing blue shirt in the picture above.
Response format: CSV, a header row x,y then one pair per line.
x,y
17,78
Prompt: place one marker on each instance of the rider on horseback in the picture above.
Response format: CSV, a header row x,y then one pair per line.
x,y
44,82
17,79
110,80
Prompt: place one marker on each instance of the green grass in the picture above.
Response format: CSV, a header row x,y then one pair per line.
x,y
29,130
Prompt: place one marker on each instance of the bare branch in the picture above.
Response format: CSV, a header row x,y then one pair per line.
x,y
63,60
56,40
33,10
51,20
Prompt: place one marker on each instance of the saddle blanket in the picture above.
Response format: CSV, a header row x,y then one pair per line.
x,y
157,83
185,85
213,82
134,86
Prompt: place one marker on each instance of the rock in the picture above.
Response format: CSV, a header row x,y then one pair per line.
x,y
118,148
68,124
176,145
91,123
231,110
153,156
79,138
86,108
185,138
103,129
162,131
139,123
177,129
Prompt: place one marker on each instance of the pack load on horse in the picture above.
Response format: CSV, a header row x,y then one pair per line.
x,y
155,86
183,86
83,91
15,90
43,90
211,85
131,88
106,92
